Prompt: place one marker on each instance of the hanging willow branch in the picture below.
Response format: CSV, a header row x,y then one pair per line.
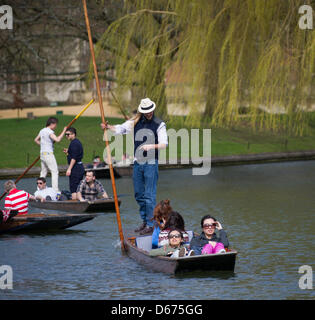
x,y
217,58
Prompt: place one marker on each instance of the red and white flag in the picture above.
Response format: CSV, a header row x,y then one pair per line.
x,y
6,214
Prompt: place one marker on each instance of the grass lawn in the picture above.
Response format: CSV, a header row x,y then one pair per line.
x,y
18,148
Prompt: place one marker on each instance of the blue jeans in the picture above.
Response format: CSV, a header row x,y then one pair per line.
x,y
145,177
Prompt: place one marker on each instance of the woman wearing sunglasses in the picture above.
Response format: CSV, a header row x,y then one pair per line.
x,y
209,241
174,248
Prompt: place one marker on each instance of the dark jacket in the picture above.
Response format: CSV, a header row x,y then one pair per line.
x,y
200,241
150,136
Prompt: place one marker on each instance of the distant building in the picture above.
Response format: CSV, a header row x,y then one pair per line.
x,y
63,84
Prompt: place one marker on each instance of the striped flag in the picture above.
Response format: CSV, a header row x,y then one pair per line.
x,y
5,215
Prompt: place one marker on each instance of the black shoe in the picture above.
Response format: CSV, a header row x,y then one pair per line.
x,y
147,230
141,227
182,252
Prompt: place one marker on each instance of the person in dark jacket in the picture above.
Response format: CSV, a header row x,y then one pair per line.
x,y
209,225
74,153
150,136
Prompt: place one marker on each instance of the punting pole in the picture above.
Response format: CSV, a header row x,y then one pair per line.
x,y
109,157
31,166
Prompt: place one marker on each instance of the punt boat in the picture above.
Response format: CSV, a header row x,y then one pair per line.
x,y
100,205
103,173
138,249
43,222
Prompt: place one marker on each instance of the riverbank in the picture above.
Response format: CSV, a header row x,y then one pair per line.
x,y
19,149
215,161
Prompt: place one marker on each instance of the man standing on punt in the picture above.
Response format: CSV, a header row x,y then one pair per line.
x,y
74,153
46,139
149,136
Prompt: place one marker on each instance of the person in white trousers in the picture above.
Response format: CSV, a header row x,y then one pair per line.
x,y
46,139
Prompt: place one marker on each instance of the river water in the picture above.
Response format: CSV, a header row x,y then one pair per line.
x,y
267,211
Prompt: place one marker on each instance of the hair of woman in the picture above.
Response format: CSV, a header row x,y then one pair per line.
x,y
162,211
175,229
206,217
175,221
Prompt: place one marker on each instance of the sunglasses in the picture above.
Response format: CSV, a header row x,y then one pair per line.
x,y
206,226
67,134
39,183
177,236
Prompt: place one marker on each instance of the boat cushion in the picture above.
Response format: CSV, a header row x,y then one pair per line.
x,y
145,242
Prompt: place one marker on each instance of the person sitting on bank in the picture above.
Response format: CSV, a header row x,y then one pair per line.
x,y
208,236
96,163
161,214
126,160
174,221
44,193
89,188
174,248
16,199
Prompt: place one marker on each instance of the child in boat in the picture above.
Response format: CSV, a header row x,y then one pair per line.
x,y
174,248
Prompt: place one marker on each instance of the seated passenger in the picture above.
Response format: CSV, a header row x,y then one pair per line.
x,y
89,188
213,247
174,248
174,221
160,214
96,163
16,199
44,193
208,236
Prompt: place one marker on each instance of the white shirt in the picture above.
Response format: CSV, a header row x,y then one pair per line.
x,y
47,192
128,126
46,143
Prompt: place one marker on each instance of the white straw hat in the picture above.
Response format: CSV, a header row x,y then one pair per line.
x,y
146,106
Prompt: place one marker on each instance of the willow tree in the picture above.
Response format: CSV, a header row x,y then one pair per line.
x,y
227,56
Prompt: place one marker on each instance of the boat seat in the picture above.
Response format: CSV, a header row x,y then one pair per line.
x,y
145,242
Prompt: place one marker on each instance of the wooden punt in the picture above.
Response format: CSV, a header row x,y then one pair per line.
x,y
101,205
43,222
211,262
103,173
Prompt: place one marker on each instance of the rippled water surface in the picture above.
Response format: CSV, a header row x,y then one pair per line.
x,y
267,210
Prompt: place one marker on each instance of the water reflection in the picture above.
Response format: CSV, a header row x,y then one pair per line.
x,y
224,275
267,211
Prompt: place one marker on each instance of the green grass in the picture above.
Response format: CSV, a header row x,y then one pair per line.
x,y
18,148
